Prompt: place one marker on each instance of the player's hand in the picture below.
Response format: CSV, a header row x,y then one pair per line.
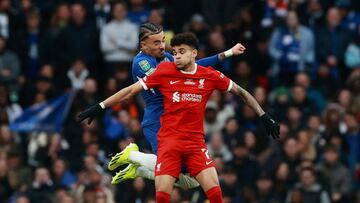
x,y
272,127
238,49
90,113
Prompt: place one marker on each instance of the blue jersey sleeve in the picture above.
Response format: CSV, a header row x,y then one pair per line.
x,y
142,67
168,57
209,61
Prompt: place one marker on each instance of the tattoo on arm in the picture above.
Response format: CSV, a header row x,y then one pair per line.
x,y
248,99
221,56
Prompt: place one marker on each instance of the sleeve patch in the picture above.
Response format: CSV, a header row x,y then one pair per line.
x,y
150,71
144,65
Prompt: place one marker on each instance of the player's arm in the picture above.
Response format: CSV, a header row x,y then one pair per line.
x,y
142,67
213,60
271,126
248,99
123,94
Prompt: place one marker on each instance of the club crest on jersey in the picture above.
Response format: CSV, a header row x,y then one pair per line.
x,y
158,167
201,83
144,65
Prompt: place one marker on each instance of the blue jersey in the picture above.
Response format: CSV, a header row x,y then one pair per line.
x,y
144,65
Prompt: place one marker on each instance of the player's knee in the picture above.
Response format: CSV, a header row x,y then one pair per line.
x,y
208,178
164,183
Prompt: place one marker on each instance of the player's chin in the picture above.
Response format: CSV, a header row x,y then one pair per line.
x,y
179,66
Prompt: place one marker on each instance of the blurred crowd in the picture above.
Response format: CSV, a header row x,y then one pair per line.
x,y
302,64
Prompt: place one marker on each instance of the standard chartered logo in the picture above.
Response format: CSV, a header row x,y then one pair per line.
x,y
176,97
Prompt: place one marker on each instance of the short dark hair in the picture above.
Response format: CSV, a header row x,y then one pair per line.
x,y
186,38
148,29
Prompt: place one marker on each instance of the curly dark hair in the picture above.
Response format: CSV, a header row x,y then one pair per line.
x,y
187,38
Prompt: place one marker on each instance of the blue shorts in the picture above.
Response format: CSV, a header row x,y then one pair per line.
x,y
150,133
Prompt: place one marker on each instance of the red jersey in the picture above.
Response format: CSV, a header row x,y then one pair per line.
x,y
185,96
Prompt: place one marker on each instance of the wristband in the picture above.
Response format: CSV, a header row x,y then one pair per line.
x,y
228,53
102,105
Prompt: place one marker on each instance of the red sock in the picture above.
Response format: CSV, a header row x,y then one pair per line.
x,y
162,197
214,195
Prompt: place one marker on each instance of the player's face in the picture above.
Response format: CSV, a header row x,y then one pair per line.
x,y
154,45
184,55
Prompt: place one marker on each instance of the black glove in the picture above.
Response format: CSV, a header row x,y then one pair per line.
x,y
272,127
90,113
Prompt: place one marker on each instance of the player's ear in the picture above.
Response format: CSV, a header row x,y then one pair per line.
x,y
194,53
142,45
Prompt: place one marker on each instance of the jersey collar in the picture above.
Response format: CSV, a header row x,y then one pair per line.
x,y
192,72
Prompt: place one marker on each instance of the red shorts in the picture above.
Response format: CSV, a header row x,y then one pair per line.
x,y
172,154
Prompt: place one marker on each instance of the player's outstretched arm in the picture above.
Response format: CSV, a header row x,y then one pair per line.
x,y
123,94
272,127
216,59
236,50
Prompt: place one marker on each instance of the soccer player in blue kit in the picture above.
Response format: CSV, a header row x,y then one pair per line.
x,y
152,52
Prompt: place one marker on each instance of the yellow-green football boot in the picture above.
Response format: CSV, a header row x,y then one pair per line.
x,y
122,157
128,173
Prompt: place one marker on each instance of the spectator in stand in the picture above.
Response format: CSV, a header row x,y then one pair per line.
x,y
77,74
301,100
352,140
311,191
79,40
119,40
13,109
314,16
331,42
138,12
63,176
292,49
30,45
42,187
102,10
337,175
9,69
246,166
59,20
316,98
216,146
352,54
9,23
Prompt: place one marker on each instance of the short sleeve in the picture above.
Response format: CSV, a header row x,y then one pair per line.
x,y
222,82
142,67
153,80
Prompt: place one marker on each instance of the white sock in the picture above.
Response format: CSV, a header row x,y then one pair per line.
x,y
145,173
144,159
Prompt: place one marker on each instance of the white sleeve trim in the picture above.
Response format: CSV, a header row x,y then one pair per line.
x,y
143,84
231,84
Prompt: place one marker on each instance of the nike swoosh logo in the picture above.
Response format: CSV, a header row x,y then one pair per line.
x,y
173,82
208,162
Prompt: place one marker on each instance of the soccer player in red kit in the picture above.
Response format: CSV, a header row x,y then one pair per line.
x,y
186,88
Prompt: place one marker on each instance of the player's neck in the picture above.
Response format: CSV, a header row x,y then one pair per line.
x,y
189,68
